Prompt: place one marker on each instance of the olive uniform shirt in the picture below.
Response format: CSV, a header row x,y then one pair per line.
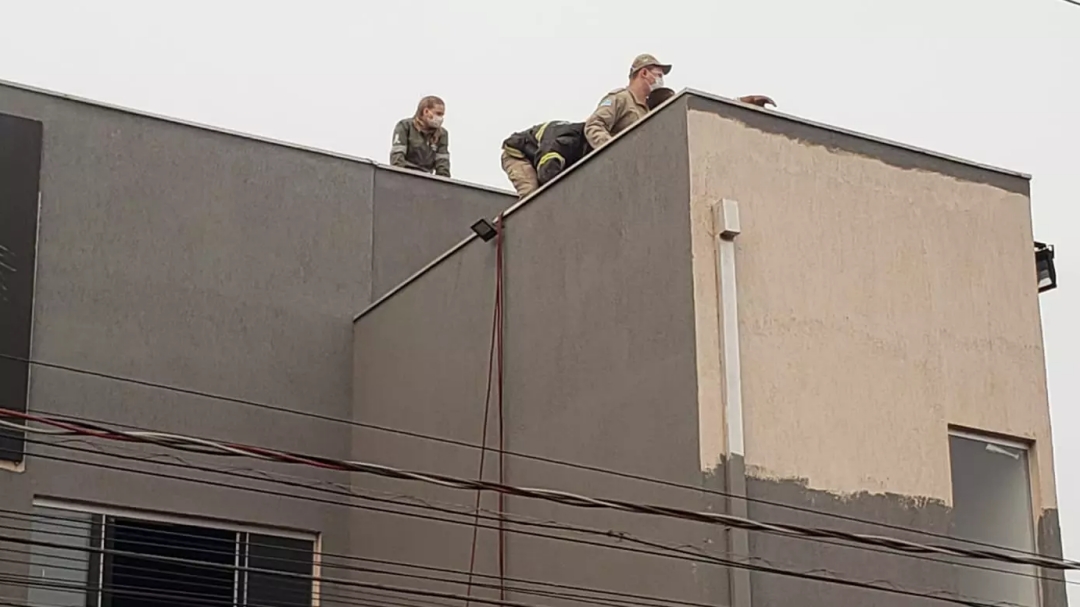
x,y
414,149
616,112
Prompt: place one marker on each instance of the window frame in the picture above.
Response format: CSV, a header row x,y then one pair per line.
x,y
242,531
1027,446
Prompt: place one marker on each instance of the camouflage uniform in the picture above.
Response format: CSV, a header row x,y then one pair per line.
x,y
415,149
620,108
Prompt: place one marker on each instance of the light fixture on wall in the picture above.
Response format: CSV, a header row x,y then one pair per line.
x,y
484,229
1044,267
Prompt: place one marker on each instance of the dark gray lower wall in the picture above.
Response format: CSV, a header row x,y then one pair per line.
x,y
1049,541
599,370
915,573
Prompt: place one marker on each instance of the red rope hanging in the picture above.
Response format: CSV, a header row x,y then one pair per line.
x,y
495,366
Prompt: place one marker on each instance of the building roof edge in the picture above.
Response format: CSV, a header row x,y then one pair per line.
x,y
248,136
850,133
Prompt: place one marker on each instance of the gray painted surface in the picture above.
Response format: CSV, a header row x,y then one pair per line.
x,y
1049,542
416,220
598,338
212,262
925,574
911,573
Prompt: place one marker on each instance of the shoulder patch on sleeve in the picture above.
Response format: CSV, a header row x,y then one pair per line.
x,y
606,102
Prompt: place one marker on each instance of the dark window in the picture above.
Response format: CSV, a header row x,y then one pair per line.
x,y
127,562
291,556
20,168
150,565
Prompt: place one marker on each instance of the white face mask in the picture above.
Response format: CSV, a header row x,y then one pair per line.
x,y
658,83
435,122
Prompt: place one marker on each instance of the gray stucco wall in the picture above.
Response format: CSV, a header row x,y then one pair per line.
x,y
599,370
213,262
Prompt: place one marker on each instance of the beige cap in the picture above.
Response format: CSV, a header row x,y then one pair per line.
x,y
648,60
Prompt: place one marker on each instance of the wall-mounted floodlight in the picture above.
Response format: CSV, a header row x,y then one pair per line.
x,y
484,229
1044,267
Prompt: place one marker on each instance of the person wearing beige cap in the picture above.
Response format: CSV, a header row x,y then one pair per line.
x,y
623,107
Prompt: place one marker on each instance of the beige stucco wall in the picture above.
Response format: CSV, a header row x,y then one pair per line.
x,y
877,306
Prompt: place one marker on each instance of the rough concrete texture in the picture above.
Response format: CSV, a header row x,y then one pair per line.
x,y
884,298
919,281
872,282
212,262
599,371
910,573
917,520
1049,542
416,220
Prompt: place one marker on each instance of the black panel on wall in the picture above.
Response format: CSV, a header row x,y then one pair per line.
x,y
20,171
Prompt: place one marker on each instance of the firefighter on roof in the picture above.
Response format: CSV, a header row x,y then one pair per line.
x,y
534,157
421,143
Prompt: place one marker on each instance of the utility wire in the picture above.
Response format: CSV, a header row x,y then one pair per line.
x,y
337,581
288,574
194,587
203,446
70,524
338,489
465,444
342,489
651,602
667,552
439,594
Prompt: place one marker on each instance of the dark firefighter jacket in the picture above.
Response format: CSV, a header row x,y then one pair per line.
x,y
551,147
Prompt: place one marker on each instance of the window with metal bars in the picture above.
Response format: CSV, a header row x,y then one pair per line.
x,y
100,559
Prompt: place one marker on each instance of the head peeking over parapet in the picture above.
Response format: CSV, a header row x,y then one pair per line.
x,y
658,96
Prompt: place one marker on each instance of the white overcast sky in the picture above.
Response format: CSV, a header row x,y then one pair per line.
x,y
996,81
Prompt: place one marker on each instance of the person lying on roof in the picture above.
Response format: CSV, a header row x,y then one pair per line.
x,y
535,156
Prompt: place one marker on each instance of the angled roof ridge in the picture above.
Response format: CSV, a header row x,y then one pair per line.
x,y
683,93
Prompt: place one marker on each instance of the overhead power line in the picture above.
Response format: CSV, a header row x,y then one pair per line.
x,y
207,447
339,489
581,594
501,451
352,583
658,550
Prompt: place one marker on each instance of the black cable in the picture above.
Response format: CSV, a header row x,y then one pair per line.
x,y
340,599
465,444
350,493
636,599
189,598
516,580
556,526
694,556
725,562
224,449
368,570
